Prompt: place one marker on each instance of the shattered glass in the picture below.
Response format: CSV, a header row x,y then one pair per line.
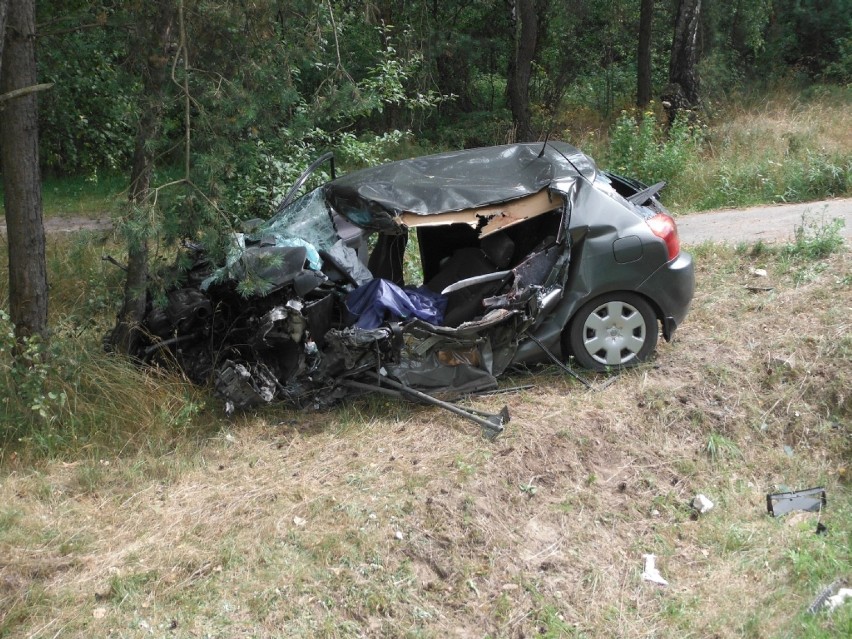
x,y
307,219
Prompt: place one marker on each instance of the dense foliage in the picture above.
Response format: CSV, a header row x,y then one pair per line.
x,y
273,82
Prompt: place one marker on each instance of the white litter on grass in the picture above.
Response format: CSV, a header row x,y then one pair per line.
x,y
836,600
702,504
651,573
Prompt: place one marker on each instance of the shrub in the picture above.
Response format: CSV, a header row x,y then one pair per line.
x,y
32,398
642,148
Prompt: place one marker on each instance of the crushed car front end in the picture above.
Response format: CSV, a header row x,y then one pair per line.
x,y
314,304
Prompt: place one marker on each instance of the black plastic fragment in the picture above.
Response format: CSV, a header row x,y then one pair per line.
x,y
809,500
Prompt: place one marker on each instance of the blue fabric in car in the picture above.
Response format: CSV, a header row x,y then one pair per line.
x,y
378,300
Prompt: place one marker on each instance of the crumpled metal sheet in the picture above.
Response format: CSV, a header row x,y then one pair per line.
x,y
294,340
459,180
809,500
446,366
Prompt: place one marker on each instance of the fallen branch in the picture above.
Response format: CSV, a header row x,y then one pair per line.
x,y
18,93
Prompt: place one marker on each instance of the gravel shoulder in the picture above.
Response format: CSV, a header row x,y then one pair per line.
x,y
771,223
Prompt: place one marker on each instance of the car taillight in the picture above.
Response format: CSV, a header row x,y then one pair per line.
x,y
664,227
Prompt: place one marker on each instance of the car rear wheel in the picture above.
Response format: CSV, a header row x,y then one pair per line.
x,y
616,330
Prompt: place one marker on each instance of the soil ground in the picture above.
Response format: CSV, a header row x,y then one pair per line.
x,y
388,520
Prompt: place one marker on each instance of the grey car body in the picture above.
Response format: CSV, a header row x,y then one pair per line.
x,y
535,252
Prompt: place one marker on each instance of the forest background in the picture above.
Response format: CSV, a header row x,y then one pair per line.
x,y
265,87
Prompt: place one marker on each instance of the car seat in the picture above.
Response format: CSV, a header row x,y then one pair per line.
x,y
493,254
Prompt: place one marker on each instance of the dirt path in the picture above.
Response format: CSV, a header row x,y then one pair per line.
x,y
768,223
71,224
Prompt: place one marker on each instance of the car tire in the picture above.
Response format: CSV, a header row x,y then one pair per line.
x,y
615,330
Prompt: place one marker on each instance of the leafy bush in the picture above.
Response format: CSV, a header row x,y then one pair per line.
x,y
642,148
821,175
721,75
840,69
31,394
69,397
86,118
815,241
811,175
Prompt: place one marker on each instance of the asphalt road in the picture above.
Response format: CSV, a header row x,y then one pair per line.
x,y
774,223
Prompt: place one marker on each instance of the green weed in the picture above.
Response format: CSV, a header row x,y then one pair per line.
x,y
30,392
129,587
720,448
550,622
529,489
642,148
815,240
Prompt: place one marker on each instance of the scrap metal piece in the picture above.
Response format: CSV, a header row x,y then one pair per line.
x,y
245,387
491,423
809,500
188,306
646,194
824,598
477,279
294,190
560,364
501,391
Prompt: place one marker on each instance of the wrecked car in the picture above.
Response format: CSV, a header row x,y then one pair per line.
x,y
428,278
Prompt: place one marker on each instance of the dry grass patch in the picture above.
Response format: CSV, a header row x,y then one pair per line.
x,y
784,123
384,519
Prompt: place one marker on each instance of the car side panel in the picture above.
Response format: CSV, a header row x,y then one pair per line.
x,y
596,224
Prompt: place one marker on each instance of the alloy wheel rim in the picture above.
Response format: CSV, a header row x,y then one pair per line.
x,y
614,333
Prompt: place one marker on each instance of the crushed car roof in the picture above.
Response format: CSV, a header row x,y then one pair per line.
x,y
460,180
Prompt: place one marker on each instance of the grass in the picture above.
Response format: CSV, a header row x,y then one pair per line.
x,y
88,197
149,513
85,197
74,396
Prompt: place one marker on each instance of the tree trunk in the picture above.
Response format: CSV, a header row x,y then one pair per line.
x,y
4,11
125,337
643,58
21,176
682,90
525,19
